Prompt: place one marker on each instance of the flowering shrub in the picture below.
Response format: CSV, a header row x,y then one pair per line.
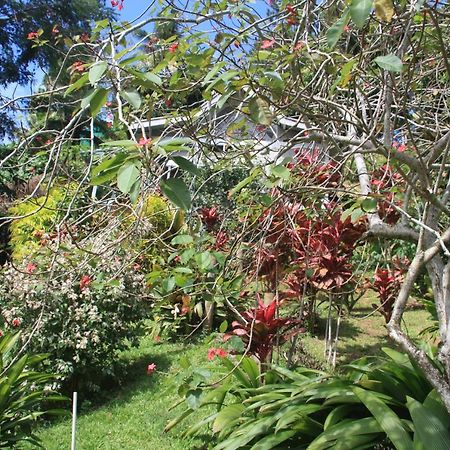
x,y
80,316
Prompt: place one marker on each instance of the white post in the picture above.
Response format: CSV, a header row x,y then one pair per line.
x,y
74,420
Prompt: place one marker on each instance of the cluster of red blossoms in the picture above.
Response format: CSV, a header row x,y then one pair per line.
x,y
292,19
213,352
118,4
151,368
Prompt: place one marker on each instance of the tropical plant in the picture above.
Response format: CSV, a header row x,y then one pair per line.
x,y
25,393
262,328
374,401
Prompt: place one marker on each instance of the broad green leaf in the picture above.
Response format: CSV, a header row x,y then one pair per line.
x,y
182,239
107,170
204,260
274,81
98,100
174,144
133,98
96,71
193,398
177,192
431,432
273,440
82,81
149,76
369,204
227,415
85,101
259,111
360,11
186,165
388,420
391,63
335,31
384,10
127,175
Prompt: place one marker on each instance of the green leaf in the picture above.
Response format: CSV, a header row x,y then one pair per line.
x,y
127,175
223,326
273,440
133,98
274,81
98,100
78,84
430,431
369,204
182,239
246,181
388,420
259,111
335,31
153,78
193,398
107,170
96,71
227,415
174,144
390,63
186,165
122,143
204,260
177,192
360,11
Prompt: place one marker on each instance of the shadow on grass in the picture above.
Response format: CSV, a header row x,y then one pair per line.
x,y
130,377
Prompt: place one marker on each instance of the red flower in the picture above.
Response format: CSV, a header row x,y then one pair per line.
x,y
118,3
267,43
78,66
1,333
143,141
31,267
221,353
346,29
221,240
16,322
151,368
213,352
33,35
209,217
173,47
85,37
292,21
55,30
85,282
299,45
109,124
157,338
291,10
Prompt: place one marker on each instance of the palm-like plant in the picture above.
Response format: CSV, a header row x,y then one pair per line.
x,y
23,393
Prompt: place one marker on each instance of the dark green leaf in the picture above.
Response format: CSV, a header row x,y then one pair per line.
x,y
96,71
186,165
98,100
127,175
177,192
133,98
335,31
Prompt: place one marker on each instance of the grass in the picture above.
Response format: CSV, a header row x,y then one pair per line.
x,y
363,332
135,415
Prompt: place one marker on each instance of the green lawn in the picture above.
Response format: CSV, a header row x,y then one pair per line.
x,y
135,415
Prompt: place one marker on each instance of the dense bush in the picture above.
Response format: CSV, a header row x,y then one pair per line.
x,y
23,392
80,311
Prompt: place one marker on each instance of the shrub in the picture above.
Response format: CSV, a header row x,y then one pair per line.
x,y
80,311
23,392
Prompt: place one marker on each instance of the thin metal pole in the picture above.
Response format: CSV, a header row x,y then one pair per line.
x,y
74,420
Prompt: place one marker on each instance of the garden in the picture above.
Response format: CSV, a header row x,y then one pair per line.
x,y
224,225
